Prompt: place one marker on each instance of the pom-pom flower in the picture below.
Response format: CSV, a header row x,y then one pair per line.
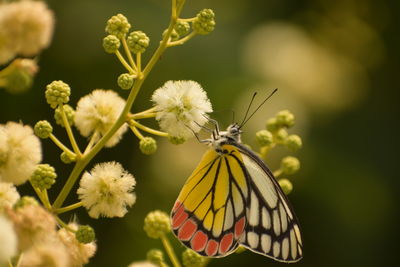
x,y
26,27
111,43
44,176
156,224
57,93
107,190
118,25
43,129
20,152
192,259
8,195
69,113
181,107
138,41
8,241
97,112
148,145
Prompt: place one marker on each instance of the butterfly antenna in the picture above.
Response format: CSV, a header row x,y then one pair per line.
x,y
259,106
248,108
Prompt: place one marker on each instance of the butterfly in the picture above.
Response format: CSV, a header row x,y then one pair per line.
x,y
232,199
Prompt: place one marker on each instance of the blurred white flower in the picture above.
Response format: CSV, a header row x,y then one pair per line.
x,y
8,195
20,152
26,27
51,253
97,112
142,264
79,253
8,240
107,190
181,107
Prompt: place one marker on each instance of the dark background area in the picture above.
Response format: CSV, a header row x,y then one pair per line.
x,y
336,64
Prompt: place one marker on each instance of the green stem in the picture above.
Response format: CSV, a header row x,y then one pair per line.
x,y
84,160
93,139
183,40
148,129
124,63
139,63
170,251
129,54
136,132
69,132
61,145
39,194
69,208
188,20
63,224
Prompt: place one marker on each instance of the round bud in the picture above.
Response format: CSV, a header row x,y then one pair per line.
x,y
285,118
148,145
125,81
286,185
204,22
57,93
67,157
85,234
174,35
111,44
281,135
25,201
192,259
43,129
156,224
155,256
290,165
182,27
138,42
69,113
293,142
118,25
272,125
176,140
44,176
264,137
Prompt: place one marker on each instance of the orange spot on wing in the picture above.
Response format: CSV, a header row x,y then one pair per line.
x,y
187,230
239,227
212,247
179,218
226,243
177,204
199,241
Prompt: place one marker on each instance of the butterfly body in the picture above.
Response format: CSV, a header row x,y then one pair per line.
x,y
232,199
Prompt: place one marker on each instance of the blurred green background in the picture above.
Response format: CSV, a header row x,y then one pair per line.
x,y
336,66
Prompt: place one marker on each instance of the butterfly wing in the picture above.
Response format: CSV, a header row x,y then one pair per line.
x,y
209,215
272,228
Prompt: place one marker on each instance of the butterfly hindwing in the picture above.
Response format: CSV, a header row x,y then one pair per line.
x,y
209,215
272,228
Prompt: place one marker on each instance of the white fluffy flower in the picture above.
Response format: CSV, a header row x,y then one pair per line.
x,y
181,107
97,112
142,264
107,190
8,240
26,27
8,195
79,253
20,152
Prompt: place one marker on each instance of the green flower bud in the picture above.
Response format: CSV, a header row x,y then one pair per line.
x,y
85,234
174,35
293,142
148,145
286,185
25,201
264,137
44,176
155,256
281,135
118,25
176,140
18,76
69,113
43,129
285,118
192,259
204,22
57,93
67,157
156,224
111,44
138,42
272,125
290,165
182,27
125,81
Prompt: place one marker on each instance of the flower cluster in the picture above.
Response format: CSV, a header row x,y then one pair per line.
x,y
276,134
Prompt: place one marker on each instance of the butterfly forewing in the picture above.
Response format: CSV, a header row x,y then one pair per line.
x,y
209,214
272,228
